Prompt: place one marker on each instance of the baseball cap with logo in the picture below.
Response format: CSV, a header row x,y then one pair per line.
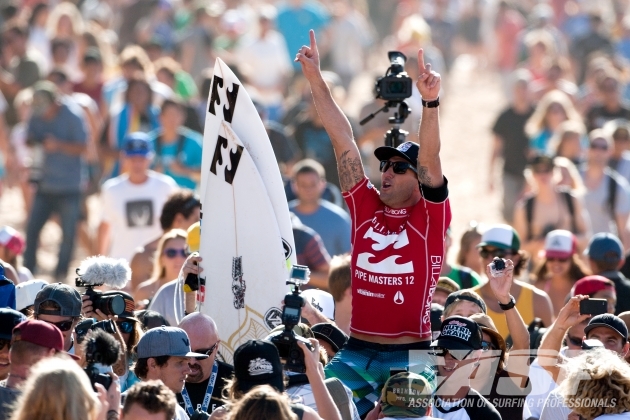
x,y
40,333
12,240
138,144
406,394
257,362
501,236
604,247
9,318
68,299
331,334
166,341
407,150
590,285
459,333
26,292
322,301
608,321
560,244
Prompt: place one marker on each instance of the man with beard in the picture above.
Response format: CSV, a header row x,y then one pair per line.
x,y
204,385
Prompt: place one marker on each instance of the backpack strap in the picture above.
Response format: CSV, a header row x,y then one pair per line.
x,y
612,195
340,397
570,205
529,215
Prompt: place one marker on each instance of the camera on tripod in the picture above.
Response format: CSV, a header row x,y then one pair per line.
x,y
394,88
286,341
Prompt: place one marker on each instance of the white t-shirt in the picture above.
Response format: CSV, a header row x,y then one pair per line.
x,y
554,408
133,211
303,394
180,413
620,416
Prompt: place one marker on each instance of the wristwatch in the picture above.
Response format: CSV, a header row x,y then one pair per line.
x,y
509,305
431,104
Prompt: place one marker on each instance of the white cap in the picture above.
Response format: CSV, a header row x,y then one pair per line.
x,y
323,301
560,244
26,292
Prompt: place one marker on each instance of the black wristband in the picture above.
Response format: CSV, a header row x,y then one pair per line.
x,y
508,305
431,104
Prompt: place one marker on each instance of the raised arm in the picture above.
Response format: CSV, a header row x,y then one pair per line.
x,y
429,165
335,122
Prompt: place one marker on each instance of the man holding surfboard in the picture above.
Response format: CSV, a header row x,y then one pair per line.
x,y
397,240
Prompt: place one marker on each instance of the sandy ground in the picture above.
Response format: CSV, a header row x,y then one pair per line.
x,y
472,101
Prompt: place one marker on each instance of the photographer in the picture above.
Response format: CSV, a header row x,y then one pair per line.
x,y
413,199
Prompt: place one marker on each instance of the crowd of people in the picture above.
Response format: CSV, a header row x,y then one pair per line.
x,y
102,109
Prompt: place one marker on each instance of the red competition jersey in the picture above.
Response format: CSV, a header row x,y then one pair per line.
x,y
396,261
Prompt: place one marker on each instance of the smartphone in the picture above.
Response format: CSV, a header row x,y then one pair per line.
x,y
593,306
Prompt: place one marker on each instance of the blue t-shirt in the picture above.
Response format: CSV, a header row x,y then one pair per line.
x,y
331,222
186,150
294,24
61,172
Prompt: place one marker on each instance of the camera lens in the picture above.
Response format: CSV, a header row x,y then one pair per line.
x,y
396,87
114,305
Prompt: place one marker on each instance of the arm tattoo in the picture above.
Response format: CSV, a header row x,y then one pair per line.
x,y
423,176
350,171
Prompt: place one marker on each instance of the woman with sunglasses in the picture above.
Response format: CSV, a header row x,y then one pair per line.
x,y
169,257
560,267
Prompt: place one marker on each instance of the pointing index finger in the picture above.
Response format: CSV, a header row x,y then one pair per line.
x,y
421,66
311,35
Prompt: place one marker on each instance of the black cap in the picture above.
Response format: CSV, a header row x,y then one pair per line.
x,y
257,362
407,150
609,321
465,295
331,334
67,298
436,316
459,333
9,318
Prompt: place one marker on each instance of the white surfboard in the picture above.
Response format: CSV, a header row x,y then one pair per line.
x,y
228,102
242,249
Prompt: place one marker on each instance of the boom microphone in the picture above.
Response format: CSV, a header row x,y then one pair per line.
x,y
98,270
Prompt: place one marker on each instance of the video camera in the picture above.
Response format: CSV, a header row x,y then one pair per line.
x,y
98,271
394,88
101,352
286,341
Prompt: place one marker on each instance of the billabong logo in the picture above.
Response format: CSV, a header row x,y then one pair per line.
x,y
399,299
390,264
217,159
395,212
259,366
231,95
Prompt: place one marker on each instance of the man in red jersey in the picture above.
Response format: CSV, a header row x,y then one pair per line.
x,y
397,240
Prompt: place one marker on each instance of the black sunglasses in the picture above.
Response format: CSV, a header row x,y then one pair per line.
x,y
562,260
457,354
207,352
398,167
172,253
4,343
125,327
62,325
576,341
499,253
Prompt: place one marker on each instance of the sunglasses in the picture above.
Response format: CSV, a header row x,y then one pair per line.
x,y
562,260
576,341
456,354
125,327
599,146
398,167
62,325
487,345
4,343
499,253
172,253
207,352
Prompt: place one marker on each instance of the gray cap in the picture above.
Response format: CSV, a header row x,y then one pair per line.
x,y
166,341
68,299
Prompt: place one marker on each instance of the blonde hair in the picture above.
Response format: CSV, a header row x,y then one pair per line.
x,y
68,10
262,403
57,389
158,269
597,383
564,130
448,310
537,121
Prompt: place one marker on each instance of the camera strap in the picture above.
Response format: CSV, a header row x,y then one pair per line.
x,y
208,396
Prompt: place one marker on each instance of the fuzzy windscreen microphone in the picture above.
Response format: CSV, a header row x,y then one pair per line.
x,y
115,273
102,348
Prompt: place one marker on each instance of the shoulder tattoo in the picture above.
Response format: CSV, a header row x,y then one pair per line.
x,y
350,171
423,176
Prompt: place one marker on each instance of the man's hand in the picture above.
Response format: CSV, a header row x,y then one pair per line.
x,y
191,265
502,283
429,82
88,311
308,57
570,315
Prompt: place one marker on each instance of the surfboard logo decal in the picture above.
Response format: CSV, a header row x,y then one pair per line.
x,y
238,284
288,251
217,159
231,95
273,318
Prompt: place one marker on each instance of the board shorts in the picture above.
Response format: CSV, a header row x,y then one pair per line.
x,y
364,367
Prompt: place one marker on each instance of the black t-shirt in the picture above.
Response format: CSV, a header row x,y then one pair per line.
x,y
622,288
197,391
597,116
473,407
510,126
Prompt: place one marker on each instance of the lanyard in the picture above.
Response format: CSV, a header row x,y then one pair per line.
x,y
206,399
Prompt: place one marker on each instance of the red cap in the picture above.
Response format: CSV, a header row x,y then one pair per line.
x,y
590,285
40,333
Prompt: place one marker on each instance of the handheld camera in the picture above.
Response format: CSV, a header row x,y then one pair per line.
x,y
101,352
99,270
